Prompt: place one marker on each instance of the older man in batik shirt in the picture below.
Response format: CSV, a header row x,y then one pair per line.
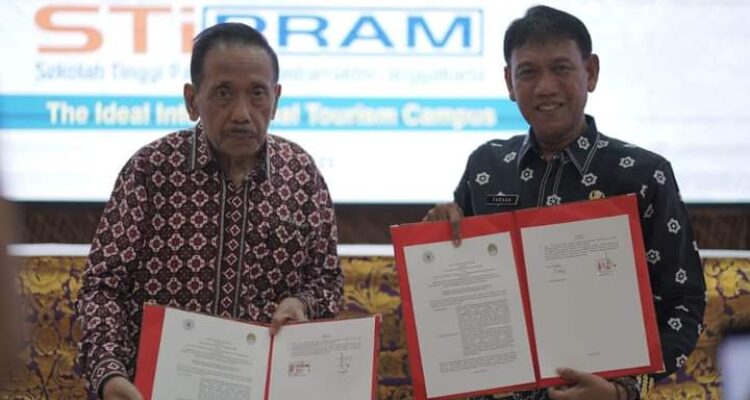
x,y
222,219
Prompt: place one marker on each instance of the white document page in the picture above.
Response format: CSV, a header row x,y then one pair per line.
x,y
469,316
203,357
584,296
325,360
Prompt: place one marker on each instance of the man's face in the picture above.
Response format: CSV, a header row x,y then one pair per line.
x,y
236,100
550,82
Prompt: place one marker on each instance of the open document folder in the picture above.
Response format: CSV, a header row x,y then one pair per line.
x,y
526,292
184,355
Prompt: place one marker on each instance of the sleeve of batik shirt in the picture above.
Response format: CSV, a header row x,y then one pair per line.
x,y
105,349
323,283
675,267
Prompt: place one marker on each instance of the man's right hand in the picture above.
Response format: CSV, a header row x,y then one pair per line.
x,y
119,388
451,212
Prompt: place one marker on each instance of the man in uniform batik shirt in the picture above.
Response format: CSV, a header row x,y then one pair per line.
x,y
550,70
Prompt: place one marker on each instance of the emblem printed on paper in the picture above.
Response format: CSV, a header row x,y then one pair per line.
x,y
250,338
188,324
492,249
428,257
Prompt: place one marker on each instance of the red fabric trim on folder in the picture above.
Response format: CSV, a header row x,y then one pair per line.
x,y
376,356
414,234
615,373
644,284
523,283
440,231
579,210
148,348
503,389
412,344
268,369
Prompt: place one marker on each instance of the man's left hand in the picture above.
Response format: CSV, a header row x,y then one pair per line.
x,y
290,309
583,386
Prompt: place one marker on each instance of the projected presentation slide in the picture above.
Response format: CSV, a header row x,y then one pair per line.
x,y
390,97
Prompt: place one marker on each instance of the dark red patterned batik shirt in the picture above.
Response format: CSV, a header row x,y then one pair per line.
x,y
176,232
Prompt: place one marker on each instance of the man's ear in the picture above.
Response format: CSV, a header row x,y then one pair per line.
x,y
277,92
188,93
592,68
509,83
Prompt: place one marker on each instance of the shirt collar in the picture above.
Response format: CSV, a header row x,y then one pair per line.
x,y
202,154
579,152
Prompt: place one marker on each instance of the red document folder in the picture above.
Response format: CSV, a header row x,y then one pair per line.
x,y
151,359
518,225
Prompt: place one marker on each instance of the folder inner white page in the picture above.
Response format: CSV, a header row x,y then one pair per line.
x,y
469,315
585,302
326,360
206,357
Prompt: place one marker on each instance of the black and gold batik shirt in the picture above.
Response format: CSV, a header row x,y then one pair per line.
x,y
505,175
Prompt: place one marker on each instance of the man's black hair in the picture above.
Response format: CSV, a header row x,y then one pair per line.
x,y
542,24
227,33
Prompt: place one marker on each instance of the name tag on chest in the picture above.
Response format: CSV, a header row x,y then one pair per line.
x,y
501,200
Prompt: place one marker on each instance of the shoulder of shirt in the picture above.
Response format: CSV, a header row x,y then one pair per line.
x,y
620,148
495,147
175,142
288,148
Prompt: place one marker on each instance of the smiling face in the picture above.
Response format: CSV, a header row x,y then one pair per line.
x,y
550,82
236,100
